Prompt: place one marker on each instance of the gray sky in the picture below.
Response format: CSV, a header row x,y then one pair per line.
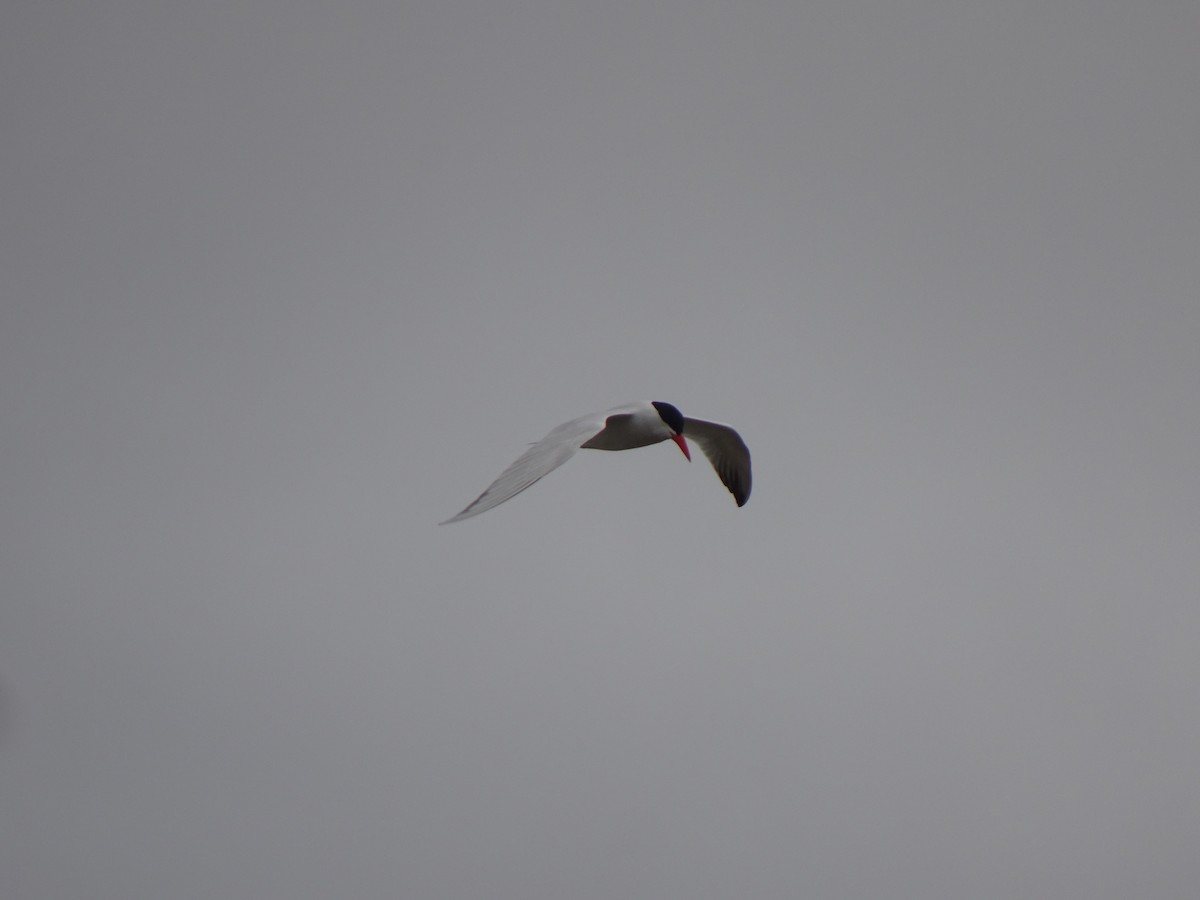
x,y
285,284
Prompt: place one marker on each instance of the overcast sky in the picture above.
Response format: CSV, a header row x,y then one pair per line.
x,y
284,284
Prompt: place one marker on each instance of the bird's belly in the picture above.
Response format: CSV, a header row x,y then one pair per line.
x,y
622,434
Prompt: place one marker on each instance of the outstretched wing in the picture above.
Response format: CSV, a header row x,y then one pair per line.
x,y
726,451
535,463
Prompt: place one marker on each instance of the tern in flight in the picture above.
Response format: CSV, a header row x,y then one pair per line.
x,y
622,428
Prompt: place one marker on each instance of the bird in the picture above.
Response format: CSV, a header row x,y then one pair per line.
x,y
621,428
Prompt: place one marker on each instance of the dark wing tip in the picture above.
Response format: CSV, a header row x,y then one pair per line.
x,y
732,479
740,494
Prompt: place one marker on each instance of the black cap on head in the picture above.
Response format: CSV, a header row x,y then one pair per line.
x,y
670,415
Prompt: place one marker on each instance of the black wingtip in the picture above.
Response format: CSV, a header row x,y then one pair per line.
x,y
739,489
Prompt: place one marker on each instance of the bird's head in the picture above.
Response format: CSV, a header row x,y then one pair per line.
x,y
673,419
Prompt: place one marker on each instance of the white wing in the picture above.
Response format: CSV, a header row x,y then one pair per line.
x,y
538,461
726,451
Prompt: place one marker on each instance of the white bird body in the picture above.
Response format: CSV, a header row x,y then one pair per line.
x,y
621,428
